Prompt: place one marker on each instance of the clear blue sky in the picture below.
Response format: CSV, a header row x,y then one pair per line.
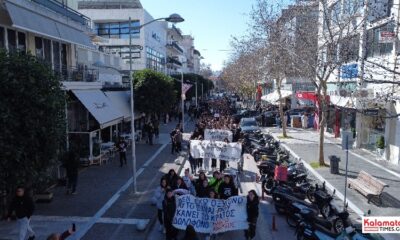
x,y
210,22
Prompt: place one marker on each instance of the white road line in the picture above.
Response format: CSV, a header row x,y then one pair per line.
x,y
78,219
82,231
373,163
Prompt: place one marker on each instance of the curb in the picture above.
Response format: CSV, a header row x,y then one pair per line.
x,y
351,205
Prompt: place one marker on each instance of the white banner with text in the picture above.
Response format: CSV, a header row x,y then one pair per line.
x,y
216,149
218,135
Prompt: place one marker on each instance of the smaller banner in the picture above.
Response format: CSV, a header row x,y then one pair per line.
x,y
186,87
216,149
208,215
217,135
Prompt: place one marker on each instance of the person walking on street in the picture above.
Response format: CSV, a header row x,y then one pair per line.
x,y
252,214
169,208
121,146
23,207
158,200
178,140
150,133
173,143
72,167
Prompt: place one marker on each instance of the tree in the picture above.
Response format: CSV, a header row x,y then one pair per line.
x,y
192,78
205,70
154,91
32,122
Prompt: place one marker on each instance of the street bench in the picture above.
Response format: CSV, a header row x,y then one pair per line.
x,y
368,186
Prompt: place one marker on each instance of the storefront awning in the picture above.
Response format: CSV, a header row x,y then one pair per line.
x,y
274,96
28,20
122,101
344,102
101,108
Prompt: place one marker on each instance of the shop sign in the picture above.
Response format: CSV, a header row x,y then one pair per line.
x,y
349,71
387,37
371,112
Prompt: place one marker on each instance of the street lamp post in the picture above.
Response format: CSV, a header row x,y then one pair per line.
x,y
196,93
183,103
173,18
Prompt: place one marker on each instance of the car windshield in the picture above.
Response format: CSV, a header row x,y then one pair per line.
x,y
249,124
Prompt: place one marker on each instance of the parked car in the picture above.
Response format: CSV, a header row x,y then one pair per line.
x,y
270,118
249,125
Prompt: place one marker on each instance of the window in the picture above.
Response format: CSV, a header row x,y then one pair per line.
x,y
379,9
47,50
39,48
2,41
155,60
117,29
12,40
374,47
21,42
349,48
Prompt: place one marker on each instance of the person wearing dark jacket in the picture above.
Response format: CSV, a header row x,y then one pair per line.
x,y
227,189
23,207
252,214
72,167
180,184
171,178
199,182
190,233
169,208
203,190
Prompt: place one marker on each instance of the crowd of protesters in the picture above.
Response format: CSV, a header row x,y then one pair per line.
x,y
210,115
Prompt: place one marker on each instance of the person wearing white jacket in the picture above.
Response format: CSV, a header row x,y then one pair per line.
x,y
158,198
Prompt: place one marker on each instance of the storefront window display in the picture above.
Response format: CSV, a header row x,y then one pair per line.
x,y
373,128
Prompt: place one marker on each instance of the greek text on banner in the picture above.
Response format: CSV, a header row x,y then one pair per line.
x,y
216,149
217,135
208,215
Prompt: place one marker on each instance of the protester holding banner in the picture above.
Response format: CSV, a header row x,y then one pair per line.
x,y
252,214
158,197
169,208
203,190
199,182
180,184
227,188
190,233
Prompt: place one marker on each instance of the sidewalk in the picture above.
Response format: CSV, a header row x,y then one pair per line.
x,y
304,143
105,207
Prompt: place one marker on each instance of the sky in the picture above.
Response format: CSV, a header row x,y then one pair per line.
x,y
212,23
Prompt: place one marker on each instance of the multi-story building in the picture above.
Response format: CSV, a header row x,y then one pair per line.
x,y
176,58
61,37
110,20
364,89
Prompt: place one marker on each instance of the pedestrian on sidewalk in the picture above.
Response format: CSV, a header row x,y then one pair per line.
x,y
121,146
173,143
190,233
158,198
178,141
193,163
63,236
252,214
304,121
150,133
169,208
72,166
23,207
227,189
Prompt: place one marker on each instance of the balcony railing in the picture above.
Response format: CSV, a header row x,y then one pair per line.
x,y
173,44
64,10
174,61
76,74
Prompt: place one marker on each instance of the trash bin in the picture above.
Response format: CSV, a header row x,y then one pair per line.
x,y
334,164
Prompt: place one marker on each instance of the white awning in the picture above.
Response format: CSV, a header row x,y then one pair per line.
x,y
101,108
122,101
28,20
344,102
274,96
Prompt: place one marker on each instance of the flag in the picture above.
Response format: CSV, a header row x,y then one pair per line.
x,y
186,87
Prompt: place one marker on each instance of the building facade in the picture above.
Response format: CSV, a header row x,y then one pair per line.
x,y
110,20
364,88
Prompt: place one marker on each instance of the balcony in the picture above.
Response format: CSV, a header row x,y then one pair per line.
x,y
76,74
175,61
174,45
64,10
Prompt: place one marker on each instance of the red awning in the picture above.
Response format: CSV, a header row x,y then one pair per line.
x,y
312,96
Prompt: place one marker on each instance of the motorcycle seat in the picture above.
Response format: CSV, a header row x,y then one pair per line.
x,y
322,222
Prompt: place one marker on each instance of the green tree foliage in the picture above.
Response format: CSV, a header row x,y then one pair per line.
x,y
191,78
32,121
154,92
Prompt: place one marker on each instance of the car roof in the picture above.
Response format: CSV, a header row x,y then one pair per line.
x,y
248,119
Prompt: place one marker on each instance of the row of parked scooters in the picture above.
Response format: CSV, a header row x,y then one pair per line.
x,y
308,207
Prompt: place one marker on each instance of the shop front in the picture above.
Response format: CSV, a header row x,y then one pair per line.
x,y
372,131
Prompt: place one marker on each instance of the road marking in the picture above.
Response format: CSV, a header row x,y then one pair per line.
x,y
77,219
82,231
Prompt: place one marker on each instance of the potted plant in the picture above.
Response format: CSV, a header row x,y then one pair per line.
x,y
380,145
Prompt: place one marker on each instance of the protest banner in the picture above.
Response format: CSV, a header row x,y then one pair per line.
x,y
215,149
217,135
208,215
